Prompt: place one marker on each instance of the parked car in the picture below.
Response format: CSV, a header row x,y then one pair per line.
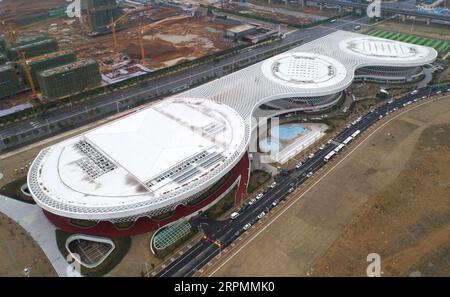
x,y
275,202
261,215
273,185
309,174
247,226
259,196
252,201
234,215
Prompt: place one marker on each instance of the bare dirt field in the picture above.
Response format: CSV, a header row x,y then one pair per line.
x,y
18,250
389,196
15,9
175,41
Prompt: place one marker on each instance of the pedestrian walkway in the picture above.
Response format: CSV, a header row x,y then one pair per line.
x,y
33,220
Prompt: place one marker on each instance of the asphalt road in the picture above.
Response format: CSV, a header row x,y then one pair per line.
x,y
180,79
393,8
227,231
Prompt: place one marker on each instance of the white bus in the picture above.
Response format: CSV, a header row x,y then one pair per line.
x,y
347,140
339,147
356,133
329,156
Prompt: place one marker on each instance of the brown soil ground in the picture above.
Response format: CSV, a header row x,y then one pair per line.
x,y
407,222
389,196
161,51
12,10
18,250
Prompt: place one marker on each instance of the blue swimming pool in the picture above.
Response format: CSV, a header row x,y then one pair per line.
x,y
287,132
268,145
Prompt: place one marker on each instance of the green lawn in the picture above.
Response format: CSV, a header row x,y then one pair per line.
x,y
122,246
439,45
12,190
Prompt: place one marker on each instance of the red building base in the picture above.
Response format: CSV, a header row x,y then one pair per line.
x,y
145,224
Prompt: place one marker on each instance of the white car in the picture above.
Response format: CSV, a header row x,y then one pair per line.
x,y
273,185
298,165
309,174
247,226
311,155
322,147
275,203
252,201
234,215
261,215
259,196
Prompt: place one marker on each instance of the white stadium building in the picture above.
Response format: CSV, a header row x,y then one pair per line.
x,y
179,156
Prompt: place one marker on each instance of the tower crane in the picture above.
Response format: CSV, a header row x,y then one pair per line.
x,y
23,61
114,23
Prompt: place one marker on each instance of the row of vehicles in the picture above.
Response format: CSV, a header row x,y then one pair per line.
x,y
329,156
259,196
341,145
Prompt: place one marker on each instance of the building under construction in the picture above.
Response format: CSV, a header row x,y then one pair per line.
x,y
9,83
101,13
2,43
69,79
33,49
46,62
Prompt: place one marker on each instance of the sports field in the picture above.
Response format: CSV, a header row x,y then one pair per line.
x,y
439,45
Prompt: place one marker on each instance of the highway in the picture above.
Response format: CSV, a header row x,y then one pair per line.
x,y
405,7
154,90
229,230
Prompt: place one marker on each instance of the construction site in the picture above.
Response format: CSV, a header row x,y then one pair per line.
x,y
125,38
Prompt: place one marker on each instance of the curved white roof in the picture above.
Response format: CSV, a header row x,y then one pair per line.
x,y
129,167
385,50
304,70
147,159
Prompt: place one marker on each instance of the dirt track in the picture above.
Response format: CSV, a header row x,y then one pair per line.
x,y
390,196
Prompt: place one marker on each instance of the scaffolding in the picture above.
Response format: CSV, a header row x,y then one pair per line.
x,y
100,13
9,83
69,79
